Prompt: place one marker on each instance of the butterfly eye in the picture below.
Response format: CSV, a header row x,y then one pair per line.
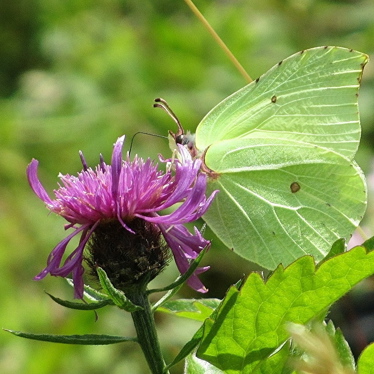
x,y
180,139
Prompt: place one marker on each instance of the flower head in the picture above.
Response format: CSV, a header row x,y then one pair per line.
x,y
129,194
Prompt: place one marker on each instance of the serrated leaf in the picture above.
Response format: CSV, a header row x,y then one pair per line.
x,y
81,306
250,324
195,365
197,310
88,339
365,363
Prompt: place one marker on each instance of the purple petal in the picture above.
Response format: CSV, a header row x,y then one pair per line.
x,y
83,160
185,176
183,264
75,258
192,208
32,176
54,258
185,247
117,165
102,164
77,275
195,283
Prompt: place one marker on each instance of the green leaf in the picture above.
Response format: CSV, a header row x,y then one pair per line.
x,y
90,292
117,296
187,348
277,363
81,306
281,153
166,297
337,248
369,244
249,325
342,347
197,310
193,343
365,363
88,339
195,365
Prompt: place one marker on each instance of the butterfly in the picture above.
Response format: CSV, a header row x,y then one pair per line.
x,y
280,151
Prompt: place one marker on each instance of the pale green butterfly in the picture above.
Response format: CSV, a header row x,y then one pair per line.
x,y
280,150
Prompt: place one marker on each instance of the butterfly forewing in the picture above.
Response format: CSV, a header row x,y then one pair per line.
x,y
309,97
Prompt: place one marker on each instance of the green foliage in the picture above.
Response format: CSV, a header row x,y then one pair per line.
x,y
250,323
187,348
196,366
88,339
366,361
198,310
81,306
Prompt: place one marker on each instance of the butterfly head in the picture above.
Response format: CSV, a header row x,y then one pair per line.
x,y
187,140
183,138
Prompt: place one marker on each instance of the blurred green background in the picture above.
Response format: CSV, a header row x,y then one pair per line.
x,y
75,75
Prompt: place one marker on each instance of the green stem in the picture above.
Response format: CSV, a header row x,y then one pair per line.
x,y
219,41
146,332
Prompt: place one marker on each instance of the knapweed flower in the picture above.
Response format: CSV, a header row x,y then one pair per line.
x,y
114,207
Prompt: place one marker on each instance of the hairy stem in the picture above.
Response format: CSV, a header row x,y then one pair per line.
x,y
146,332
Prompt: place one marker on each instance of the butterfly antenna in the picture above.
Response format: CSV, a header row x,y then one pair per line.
x,y
144,133
161,103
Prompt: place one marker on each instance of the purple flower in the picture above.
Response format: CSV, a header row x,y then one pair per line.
x,y
122,192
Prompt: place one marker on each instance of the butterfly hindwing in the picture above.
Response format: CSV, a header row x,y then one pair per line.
x,y
292,200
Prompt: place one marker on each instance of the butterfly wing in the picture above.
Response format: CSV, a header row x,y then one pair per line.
x,y
282,150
